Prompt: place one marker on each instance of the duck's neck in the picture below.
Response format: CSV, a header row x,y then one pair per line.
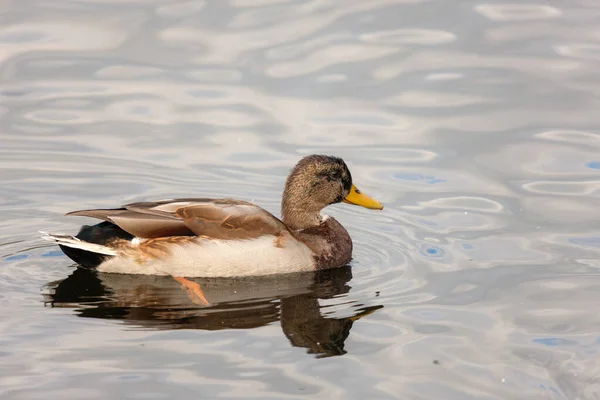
x,y
298,213
298,219
298,210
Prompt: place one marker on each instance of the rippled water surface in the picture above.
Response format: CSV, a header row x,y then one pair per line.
x,y
477,124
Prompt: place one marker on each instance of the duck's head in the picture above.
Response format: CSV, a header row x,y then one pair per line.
x,y
316,182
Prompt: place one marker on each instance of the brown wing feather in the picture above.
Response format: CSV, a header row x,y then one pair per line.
x,y
230,220
102,214
141,221
214,218
150,226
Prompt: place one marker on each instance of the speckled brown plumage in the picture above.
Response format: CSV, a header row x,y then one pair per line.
x,y
280,240
315,182
148,249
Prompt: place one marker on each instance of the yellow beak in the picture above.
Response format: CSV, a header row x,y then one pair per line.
x,y
357,198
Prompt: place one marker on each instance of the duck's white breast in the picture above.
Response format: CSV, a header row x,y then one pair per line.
x,y
265,255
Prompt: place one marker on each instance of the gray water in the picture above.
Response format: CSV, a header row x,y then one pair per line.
x,y
476,124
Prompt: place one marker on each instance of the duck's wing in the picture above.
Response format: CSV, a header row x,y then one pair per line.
x,y
212,218
230,219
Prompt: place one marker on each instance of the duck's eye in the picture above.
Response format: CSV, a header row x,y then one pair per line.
x,y
336,175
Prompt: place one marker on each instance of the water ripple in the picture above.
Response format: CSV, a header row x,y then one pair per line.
x,y
517,12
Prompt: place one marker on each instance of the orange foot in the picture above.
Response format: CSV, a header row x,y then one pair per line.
x,y
193,291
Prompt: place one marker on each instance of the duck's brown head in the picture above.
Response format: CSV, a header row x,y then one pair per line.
x,y
316,182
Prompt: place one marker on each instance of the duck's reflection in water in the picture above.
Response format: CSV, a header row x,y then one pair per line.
x,y
158,302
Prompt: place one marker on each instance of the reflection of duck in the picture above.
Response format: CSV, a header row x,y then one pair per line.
x,y
158,302
224,237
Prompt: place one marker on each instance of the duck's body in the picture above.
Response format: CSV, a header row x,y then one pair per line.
x,y
196,237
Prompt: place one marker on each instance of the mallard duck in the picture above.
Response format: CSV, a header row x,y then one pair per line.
x,y
200,237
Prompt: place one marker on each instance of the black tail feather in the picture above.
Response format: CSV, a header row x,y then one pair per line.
x,y
99,234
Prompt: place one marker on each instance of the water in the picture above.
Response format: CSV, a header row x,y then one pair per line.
x,y
475,123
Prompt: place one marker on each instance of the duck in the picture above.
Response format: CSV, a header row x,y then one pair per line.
x,y
208,237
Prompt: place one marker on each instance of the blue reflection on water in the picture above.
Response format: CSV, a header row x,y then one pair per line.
x,y
22,256
554,341
593,164
432,251
53,253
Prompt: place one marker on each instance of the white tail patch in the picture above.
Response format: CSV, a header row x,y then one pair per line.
x,y
71,241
